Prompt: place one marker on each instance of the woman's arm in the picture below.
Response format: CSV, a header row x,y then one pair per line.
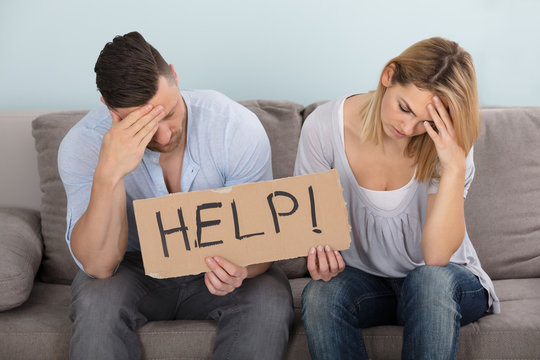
x,y
323,262
445,219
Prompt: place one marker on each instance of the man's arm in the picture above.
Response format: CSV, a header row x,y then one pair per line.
x,y
99,238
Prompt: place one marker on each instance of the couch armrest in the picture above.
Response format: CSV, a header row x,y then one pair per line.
x,y
21,249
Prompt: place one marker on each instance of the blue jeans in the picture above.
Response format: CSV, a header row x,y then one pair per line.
x,y
253,321
432,302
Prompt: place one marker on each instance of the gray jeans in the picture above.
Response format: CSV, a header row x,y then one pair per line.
x,y
253,321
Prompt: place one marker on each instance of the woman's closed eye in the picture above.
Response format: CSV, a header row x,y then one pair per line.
x,y
404,109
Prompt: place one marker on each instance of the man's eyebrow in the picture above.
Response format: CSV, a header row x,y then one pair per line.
x,y
407,105
171,113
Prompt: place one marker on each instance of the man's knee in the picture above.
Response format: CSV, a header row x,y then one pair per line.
x,y
101,300
269,296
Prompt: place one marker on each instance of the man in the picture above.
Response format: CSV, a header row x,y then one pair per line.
x,y
148,140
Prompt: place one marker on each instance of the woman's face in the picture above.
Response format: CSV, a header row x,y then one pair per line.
x,y
404,110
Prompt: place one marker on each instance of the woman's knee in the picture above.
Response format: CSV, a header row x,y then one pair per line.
x,y
322,300
431,286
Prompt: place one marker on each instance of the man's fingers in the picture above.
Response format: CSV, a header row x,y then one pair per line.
x,y
135,115
149,135
218,285
220,273
142,124
211,287
230,268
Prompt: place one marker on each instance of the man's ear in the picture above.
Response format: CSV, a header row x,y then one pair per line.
x,y
103,101
174,73
387,75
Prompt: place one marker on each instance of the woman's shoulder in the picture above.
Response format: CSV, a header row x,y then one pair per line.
x,y
324,113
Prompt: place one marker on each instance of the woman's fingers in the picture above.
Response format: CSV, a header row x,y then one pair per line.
x,y
431,132
324,263
439,124
312,264
444,115
341,262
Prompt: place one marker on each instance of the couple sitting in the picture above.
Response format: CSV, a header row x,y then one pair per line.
x,y
405,159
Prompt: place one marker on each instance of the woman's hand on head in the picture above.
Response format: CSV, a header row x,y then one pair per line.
x,y
324,263
451,155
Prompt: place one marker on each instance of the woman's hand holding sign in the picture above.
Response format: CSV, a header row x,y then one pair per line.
x,y
324,263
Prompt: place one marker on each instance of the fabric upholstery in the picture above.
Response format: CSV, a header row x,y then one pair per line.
x,y
48,131
281,120
502,218
21,249
41,329
502,208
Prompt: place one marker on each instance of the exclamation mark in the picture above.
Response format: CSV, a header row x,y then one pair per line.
x,y
313,215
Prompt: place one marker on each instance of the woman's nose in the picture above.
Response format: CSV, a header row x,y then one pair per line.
x,y
408,127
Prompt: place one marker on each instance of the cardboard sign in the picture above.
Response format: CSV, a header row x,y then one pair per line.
x,y
246,224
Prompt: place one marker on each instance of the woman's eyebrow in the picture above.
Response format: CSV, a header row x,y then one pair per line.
x,y
407,105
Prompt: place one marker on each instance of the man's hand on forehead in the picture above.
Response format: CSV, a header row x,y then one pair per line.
x,y
124,144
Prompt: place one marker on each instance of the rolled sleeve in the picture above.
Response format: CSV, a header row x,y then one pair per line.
x,y
76,170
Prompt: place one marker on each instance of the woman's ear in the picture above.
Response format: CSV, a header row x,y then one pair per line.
x,y
387,75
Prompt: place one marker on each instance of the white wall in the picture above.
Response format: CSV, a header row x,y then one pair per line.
x,y
297,50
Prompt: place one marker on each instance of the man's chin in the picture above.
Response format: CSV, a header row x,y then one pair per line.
x,y
161,148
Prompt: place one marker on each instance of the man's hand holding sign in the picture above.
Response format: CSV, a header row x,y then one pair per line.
x,y
183,234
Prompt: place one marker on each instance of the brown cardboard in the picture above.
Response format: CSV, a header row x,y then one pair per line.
x,y
268,226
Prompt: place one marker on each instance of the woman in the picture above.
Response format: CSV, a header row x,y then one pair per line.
x,y
404,153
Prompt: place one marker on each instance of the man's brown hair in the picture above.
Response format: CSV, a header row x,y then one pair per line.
x,y
128,71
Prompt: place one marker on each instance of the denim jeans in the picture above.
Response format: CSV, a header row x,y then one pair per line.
x,y
253,321
432,302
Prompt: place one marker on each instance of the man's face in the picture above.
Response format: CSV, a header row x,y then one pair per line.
x,y
170,133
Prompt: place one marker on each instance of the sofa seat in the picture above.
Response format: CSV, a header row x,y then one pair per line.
x,y
43,323
502,215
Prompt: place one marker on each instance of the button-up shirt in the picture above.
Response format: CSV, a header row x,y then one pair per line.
x,y
226,145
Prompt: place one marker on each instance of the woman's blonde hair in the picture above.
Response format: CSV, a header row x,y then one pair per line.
x,y
442,67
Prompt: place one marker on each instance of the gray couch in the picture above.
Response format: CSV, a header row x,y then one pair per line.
x,y
503,220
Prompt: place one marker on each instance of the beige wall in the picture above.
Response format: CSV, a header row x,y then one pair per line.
x,y
19,180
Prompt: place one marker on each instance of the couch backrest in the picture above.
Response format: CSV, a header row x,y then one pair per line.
x,y
503,204
281,119
502,208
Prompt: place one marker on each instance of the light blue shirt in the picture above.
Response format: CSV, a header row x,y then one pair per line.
x,y
384,243
226,145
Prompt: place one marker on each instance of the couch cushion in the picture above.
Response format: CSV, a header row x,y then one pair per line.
x,y
282,121
503,204
41,328
48,131
20,255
